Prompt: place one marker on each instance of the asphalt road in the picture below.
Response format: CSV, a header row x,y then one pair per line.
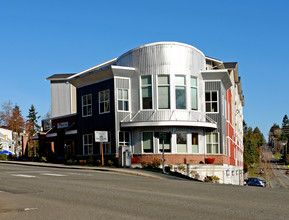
x,y
55,193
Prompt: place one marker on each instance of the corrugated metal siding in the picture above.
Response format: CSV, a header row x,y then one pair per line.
x,y
60,99
219,117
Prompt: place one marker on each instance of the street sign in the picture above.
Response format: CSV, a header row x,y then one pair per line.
x,y
101,136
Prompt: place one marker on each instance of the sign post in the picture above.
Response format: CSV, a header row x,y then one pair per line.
x,y
101,136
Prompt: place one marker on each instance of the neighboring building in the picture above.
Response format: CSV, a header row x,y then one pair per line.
x,y
161,89
6,141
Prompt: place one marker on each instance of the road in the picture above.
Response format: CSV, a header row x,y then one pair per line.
x,y
55,193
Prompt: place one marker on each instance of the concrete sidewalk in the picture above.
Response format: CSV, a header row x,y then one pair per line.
x,y
129,171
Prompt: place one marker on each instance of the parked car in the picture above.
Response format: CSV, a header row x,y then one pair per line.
x,y
287,172
254,181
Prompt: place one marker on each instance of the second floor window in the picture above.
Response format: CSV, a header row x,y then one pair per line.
x,y
194,93
86,105
180,82
212,101
163,92
104,101
146,90
122,99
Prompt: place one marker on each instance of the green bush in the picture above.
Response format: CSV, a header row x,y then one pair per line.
x,y
144,164
156,163
43,159
110,163
3,157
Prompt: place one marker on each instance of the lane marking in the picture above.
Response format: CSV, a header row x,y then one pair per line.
x,y
52,174
22,175
29,209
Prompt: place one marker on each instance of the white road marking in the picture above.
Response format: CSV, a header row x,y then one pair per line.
x,y
28,209
22,175
52,174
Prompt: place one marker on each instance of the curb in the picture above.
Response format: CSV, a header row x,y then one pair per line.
x,y
128,171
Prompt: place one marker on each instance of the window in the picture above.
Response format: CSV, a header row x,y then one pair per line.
x,y
195,143
122,95
194,93
123,138
86,105
166,136
107,145
146,89
87,144
147,142
181,142
212,101
104,101
180,82
212,140
163,92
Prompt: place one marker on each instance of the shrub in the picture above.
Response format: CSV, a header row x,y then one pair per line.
x,y
3,157
182,168
156,163
43,159
144,164
110,163
70,162
89,160
195,174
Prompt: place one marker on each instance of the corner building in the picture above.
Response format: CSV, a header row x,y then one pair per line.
x,y
166,89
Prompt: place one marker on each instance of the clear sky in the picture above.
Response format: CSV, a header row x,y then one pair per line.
x,y
39,38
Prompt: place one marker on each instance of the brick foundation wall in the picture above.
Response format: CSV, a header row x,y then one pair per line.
x,y
181,158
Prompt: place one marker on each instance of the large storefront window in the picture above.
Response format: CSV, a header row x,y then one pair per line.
x,y
146,87
181,142
147,142
165,138
180,82
163,92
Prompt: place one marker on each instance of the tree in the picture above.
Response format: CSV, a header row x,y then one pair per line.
x,y
32,125
5,114
16,121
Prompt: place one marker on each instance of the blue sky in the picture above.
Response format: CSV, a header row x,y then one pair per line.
x,y
42,38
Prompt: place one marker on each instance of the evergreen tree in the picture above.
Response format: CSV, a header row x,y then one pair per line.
x,y
32,125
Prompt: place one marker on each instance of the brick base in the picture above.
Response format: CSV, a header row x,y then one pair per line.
x,y
181,158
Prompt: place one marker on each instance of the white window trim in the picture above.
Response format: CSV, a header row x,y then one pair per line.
x,y
218,101
212,142
197,87
160,146
153,152
187,145
103,102
124,139
140,92
128,91
163,85
86,105
84,145
186,89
